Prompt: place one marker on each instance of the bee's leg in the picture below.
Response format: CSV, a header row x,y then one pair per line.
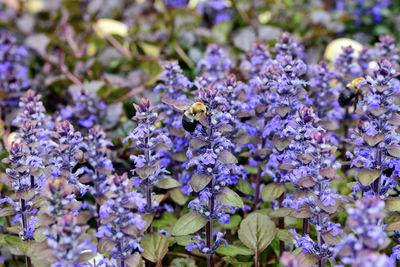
x,y
355,102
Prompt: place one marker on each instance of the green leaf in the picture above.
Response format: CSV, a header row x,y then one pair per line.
x,y
367,176
110,26
7,211
393,226
227,157
181,262
167,219
155,247
220,31
245,187
234,262
285,236
183,240
134,260
188,224
272,191
168,183
257,231
282,212
39,236
234,222
234,250
178,197
393,204
152,69
394,150
230,198
199,181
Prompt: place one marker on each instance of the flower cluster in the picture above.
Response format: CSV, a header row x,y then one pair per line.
x,y
386,48
312,170
376,143
324,96
149,166
69,242
13,70
28,160
120,225
215,11
288,45
87,109
97,156
174,87
365,12
176,3
367,234
215,167
214,66
258,59
346,65
67,154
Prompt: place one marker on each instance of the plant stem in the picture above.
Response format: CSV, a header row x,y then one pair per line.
x,y
258,181
378,158
256,258
321,261
24,227
345,135
305,226
257,192
209,228
281,225
28,261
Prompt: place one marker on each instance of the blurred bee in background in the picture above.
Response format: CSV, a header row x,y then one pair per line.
x,y
192,114
351,94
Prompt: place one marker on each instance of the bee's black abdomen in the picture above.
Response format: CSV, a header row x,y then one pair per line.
x,y
345,97
188,123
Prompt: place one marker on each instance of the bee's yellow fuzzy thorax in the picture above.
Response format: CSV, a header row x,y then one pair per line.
x,y
354,83
198,107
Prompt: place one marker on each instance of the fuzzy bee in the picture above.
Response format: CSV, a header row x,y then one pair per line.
x,y
351,93
192,114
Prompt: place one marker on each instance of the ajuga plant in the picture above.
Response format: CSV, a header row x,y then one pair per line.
x,y
121,229
215,170
28,162
386,48
365,234
67,155
215,11
150,166
311,171
86,111
13,70
61,224
214,66
254,66
174,86
323,96
100,166
376,152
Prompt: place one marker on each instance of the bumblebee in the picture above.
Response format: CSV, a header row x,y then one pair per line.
x,y
351,93
192,114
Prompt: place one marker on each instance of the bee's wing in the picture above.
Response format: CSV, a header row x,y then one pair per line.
x,y
203,119
178,105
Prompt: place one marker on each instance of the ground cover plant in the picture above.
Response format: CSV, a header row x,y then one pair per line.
x,y
199,133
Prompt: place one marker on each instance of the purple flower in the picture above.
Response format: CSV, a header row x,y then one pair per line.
x,y
87,109
176,3
119,216
13,69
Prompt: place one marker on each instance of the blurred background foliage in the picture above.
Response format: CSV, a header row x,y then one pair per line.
x,y
114,47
